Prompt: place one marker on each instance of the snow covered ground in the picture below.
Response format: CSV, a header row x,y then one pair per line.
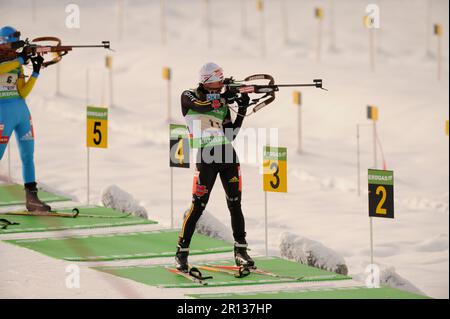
x,y
322,201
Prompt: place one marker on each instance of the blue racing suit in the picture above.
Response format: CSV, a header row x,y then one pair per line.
x,y
15,116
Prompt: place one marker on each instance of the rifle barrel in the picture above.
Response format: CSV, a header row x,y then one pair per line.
x,y
294,85
88,46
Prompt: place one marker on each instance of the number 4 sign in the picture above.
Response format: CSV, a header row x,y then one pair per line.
x,y
179,146
381,193
97,127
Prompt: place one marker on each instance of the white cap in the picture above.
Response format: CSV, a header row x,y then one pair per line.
x,y
210,73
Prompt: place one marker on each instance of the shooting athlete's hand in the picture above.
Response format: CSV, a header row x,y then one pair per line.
x,y
18,44
243,100
37,63
229,96
24,55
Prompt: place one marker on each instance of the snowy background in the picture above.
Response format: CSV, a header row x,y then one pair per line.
x,y
322,201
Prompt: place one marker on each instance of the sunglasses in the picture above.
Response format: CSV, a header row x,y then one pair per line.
x,y
15,35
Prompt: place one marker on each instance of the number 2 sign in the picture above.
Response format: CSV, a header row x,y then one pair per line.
x,y
381,193
97,127
274,169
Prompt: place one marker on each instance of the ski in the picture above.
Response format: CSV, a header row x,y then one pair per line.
x,y
75,212
259,272
240,272
101,216
4,223
193,275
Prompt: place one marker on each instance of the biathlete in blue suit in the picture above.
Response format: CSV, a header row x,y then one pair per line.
x,y
15,116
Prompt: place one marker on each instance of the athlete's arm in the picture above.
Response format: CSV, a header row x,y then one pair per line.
x,y
24,87
6,67
230,127
190,102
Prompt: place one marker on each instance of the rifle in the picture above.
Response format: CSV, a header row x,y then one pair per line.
x,y
9,51
268,89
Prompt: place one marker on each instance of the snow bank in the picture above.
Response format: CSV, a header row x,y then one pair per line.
x,y
210,226
311,253
118,199
389,277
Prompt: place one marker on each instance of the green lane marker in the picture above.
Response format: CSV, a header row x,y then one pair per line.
x,y
135,245
107,217
319,293
157,275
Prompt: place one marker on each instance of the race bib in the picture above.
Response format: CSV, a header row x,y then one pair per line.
x,y
8,85
206,130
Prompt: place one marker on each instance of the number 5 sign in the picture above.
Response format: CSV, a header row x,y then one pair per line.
x,y
381,193
274,169
97,127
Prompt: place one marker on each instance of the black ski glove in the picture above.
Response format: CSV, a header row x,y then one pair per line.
x,y
228,96
25,56
37,63
17,44
243,101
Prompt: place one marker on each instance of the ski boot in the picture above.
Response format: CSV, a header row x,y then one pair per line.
x,y
33,203
241,257
181,258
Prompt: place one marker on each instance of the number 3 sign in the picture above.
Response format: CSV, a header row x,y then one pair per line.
x,y
274,168
97,127
381,193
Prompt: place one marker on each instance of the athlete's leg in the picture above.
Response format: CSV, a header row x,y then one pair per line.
x,y
232,184
5,133
7,124
204,179
25,141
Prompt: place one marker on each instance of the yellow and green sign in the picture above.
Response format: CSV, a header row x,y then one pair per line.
x,y
179,146
438,30
166,73
318,12
97,127
372,113
260,5
297,98
275,169
108,62
381,193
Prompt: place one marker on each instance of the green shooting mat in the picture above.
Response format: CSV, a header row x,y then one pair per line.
x,y
157,275
160,243
98,217
319,293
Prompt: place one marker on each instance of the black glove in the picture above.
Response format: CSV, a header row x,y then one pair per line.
x,y
37,63
25,56
228,96
18,44
227,81
243,101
